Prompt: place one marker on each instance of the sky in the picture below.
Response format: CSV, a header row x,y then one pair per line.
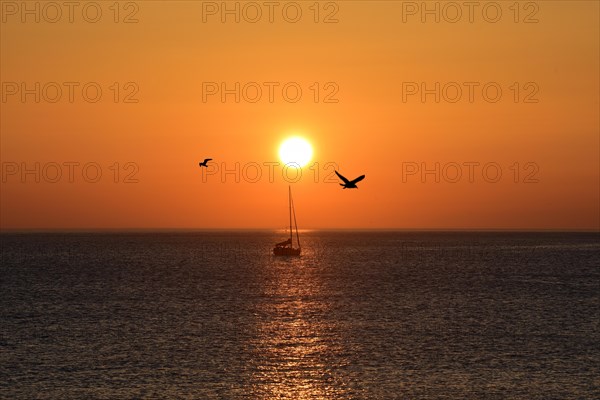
x,y
461,117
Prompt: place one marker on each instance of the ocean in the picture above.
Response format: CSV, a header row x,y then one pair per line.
x,y
360,315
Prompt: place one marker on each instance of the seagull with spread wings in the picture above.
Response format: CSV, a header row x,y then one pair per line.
x,y
349,184
203,163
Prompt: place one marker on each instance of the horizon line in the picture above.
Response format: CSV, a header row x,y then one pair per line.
x,y
230,229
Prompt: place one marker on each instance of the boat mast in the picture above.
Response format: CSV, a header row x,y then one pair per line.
x,y
290,206
295,223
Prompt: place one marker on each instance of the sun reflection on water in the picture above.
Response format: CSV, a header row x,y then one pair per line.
x,y
300,350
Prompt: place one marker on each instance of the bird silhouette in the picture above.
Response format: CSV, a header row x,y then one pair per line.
x,y
203,163
349,184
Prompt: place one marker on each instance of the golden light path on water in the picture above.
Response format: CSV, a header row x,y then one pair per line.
x,y
299,341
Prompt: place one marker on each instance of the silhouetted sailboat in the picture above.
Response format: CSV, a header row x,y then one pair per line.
x,y
286,248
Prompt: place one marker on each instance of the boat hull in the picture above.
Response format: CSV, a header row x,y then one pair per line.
x,y
286,251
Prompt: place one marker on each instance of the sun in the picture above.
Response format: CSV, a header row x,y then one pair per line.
x,y
295,150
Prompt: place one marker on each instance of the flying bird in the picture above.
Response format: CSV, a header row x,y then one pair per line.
x,y
349,184
203,163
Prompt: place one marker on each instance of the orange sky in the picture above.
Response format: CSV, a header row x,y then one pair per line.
x,y
370,54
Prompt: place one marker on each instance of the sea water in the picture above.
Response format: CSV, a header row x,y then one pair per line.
x,y
360,315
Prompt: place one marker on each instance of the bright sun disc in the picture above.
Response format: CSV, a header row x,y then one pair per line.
x,y
295,151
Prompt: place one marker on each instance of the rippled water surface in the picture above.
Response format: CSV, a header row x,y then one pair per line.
x,y
366,315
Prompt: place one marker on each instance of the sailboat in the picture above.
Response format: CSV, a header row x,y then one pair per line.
x,y
286,248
